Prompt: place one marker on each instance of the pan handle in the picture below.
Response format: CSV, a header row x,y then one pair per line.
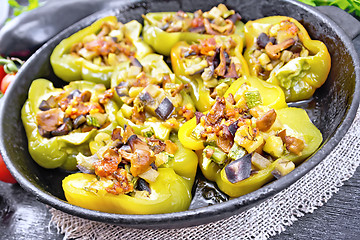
x,y
348,23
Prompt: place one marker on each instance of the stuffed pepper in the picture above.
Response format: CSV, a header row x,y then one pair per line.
x,y
243,144
163,30
280,51
60,123
132,174
153,101
92,53
209,67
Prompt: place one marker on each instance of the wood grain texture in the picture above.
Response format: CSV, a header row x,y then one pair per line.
x,y
23,217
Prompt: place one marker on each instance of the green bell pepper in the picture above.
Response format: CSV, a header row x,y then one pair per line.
x,y
59,150
141,97
92,53
169,187
191,28
280,51
197,66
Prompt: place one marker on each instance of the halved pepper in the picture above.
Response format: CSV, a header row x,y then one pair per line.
x,y
92,53
243,149
153,101
294,119
162,30
271,96
280,51
209,67
167,190
54,137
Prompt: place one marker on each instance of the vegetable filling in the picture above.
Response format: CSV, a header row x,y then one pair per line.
x,y
108,47
244,137
72,111
218,21
277,47
125,163
213,61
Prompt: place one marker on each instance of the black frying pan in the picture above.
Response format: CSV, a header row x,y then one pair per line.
x,y
332,109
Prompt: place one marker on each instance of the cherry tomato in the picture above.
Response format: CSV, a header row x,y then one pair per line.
x,y
2,73
5,175
6,81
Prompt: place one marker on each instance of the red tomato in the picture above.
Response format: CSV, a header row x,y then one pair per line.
x,y
6,81
5,175
2,72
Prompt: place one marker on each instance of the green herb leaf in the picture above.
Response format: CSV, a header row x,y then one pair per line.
x,y
19,9
351,6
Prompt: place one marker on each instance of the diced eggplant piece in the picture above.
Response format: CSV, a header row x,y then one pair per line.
x,y
142,185
44,106
234,18
74,93
122,91
276,174
259,161
44,133
233,127
51,101
272,40
296,48
239,170
146,98
64,128
227,57
262,40
123,84
136,63
282,168
164,109
79,121
154,166
165,27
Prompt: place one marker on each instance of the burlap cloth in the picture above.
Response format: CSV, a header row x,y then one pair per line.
x,y
260,222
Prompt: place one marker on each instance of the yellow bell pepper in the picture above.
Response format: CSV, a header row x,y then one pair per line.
x,y
169,192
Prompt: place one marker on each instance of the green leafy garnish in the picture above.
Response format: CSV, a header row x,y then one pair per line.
x,y
19,9
351,6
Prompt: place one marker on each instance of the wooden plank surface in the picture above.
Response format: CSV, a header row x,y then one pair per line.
x,y
23,217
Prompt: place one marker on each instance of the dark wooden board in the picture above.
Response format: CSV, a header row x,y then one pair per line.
x,y
23,217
